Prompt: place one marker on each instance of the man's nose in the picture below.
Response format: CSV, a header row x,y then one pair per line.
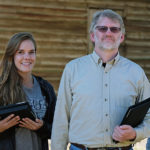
x,y
108,31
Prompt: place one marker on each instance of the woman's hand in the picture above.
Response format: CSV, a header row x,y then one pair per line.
x,y
30,124
9,122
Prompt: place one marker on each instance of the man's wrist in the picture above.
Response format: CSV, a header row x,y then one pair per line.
x,y
134,137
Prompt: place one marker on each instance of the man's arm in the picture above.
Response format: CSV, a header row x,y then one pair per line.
x,y
126,132
143,130
59,139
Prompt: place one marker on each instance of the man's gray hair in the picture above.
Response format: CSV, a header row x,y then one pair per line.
x,y
109,14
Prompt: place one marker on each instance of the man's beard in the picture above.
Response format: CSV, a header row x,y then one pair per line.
x,y
104,45
109,46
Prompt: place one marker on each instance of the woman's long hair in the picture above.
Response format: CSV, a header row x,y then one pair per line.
x,y
11,90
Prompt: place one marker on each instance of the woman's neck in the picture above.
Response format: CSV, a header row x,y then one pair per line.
x,y
27,80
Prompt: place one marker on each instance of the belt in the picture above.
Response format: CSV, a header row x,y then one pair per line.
x,y
82,147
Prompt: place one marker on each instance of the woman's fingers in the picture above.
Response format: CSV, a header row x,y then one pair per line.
x,y
30,124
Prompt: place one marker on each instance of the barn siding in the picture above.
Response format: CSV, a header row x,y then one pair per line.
x,y
60,28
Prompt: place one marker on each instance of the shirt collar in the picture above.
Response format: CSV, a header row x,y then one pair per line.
x,y
116,59
98,60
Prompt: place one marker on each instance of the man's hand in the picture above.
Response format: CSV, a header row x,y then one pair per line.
x,y
9,122
30,124
124,133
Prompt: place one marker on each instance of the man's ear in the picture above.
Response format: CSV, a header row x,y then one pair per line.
x,y
92,37
122,38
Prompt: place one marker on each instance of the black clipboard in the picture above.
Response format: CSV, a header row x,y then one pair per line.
x,y
136,113
21,109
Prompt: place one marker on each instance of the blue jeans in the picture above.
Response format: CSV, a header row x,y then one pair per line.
x,y
72,147
148,144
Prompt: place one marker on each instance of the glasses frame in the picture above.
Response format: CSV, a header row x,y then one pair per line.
x,y
104,29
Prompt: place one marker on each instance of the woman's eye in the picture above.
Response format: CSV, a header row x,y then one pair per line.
x,y
20,52
32,52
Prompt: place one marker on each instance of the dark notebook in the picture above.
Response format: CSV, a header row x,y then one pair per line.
x,y
21,109
136,113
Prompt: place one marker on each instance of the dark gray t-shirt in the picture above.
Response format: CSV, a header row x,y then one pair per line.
x,y
27,139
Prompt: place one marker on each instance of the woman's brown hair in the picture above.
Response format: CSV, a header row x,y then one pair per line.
x,y
10,81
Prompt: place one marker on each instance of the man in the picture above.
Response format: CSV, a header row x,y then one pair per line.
x,y
95,92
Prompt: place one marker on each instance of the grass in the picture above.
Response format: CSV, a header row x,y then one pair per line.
x,y
141,145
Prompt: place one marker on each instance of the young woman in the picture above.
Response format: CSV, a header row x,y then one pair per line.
x,y
17,84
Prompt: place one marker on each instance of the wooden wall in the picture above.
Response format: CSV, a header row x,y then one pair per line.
x,y
60,28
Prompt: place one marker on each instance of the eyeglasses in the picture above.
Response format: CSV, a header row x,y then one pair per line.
x,y
104,29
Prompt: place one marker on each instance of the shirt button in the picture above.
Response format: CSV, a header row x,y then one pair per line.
x,y
106,115
106,130
105,99
106,84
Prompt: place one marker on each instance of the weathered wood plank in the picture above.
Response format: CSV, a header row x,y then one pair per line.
x,y
60,28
